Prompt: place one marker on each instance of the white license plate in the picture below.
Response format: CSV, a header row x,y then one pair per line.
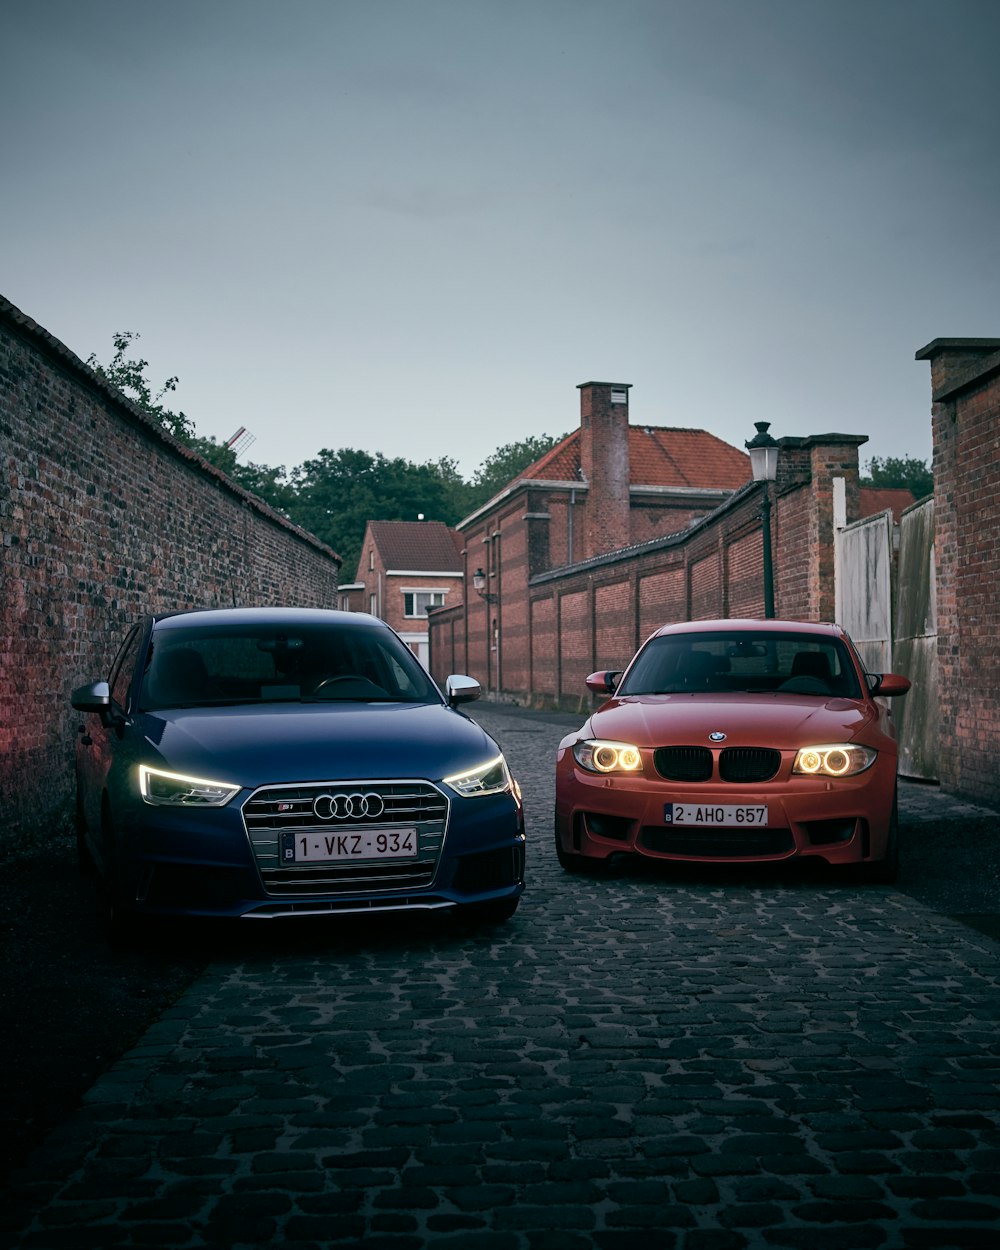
x,y
313,846
728,814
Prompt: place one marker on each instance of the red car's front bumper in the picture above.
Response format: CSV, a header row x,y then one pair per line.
x,y
842,821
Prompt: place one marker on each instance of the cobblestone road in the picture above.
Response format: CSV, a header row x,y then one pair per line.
x,y
700,1061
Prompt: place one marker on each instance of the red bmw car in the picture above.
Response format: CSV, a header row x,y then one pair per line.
x,y
735,741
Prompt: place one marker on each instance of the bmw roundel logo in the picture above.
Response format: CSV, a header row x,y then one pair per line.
x,y
717,736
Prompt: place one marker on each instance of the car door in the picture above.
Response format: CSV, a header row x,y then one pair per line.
x,y
101,735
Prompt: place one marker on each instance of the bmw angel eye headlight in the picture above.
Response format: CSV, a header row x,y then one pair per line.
x,y
177,790
842,759
490,778
598,755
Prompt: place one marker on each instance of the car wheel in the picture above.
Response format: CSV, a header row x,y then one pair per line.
x,y
119,924
84,859
580,865
488,913
885,871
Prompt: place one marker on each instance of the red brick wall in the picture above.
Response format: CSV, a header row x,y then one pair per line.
x,y
561,624
544,649
105,518
965,425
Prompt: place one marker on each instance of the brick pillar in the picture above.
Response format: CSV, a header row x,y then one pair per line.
x,y
604,460
814,462
964,421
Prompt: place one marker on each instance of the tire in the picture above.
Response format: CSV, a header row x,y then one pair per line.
x,y
121,926
84,859
580,865
885,871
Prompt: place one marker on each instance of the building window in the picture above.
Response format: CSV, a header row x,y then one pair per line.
x,y
416,602
372,605
371,560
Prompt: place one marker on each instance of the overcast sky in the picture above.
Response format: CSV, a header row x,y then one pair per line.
x,y
414,226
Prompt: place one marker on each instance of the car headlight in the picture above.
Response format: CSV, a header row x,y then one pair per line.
x,y
177,790
597,755
490,778
841,759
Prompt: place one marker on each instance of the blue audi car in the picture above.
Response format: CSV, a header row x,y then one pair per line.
x,y
271,762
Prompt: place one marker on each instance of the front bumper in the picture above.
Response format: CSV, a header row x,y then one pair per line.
x,y
210,863
841,821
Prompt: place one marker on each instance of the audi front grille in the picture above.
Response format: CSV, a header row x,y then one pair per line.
x,y
339,810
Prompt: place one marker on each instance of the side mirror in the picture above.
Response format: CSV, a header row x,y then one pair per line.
x,y
93,698
605,682
888,685
461,689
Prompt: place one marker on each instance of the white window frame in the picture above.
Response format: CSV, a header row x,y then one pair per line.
x,y
431,594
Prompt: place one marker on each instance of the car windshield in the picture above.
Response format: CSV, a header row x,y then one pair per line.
x,y
214,665
743,662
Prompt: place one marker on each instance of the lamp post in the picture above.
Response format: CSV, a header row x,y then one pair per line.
x,y
763,451
479,585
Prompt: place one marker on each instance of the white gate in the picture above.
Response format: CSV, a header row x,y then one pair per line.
x,y
863,554
866,576
916,643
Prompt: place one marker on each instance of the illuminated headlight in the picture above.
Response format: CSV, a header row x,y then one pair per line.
x,y
839,760
175,789
597,755
491,778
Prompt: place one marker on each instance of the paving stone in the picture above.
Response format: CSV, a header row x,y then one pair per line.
x,y
707,1060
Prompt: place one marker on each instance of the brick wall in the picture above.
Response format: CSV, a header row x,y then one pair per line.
x,y
105,517
965,425
555,627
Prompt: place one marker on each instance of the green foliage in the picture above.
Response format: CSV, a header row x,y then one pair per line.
x,y
506,463
337,493
271,485
129,376
899,471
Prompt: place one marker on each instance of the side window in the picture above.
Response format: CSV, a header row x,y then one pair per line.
x,y
124,667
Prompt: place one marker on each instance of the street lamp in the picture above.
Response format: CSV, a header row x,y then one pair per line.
x,y
763,451
479,584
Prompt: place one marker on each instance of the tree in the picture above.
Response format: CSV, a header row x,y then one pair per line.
x,y
339,492
129,376
899,471
506,463
270,484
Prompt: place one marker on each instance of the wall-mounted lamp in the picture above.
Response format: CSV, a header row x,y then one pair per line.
x,y
479,585
763,451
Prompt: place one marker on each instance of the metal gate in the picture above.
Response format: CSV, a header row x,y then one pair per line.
x,y
905,642
863,554
916,643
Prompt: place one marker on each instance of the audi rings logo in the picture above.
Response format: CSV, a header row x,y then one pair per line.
x,y
348,806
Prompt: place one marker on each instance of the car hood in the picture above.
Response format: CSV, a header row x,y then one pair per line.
x,y
254,745
775,720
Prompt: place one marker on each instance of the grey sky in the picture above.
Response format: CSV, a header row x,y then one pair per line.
x,y
415,227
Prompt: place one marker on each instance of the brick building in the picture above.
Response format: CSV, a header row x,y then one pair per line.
x,y
608,485
965,425
406,568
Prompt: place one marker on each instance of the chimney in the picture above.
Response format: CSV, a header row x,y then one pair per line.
x,y
604,460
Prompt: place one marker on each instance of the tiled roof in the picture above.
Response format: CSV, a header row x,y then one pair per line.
x,y
885,498
424,546
658,456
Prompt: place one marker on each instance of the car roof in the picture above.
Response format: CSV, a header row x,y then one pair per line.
x,y
292,617
746,625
